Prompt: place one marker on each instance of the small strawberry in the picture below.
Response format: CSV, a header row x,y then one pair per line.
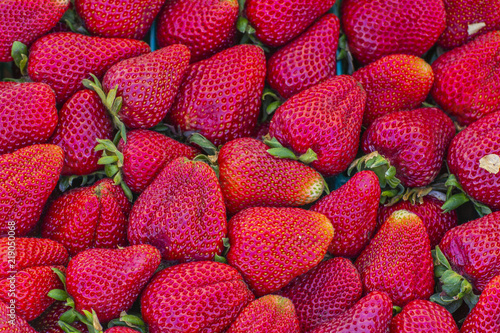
x,y
9,320
422,316
47,322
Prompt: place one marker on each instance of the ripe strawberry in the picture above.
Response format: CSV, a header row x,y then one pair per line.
x,y
120,329
14,323
220,97
195,297
28,115
326,118
27,177
109,281
467,79
263,239
398,260
352,209
384,27
307,60
118,18
324,292
421,316
47,321
278,22
206,27
251,177
182,213
63,60
394,83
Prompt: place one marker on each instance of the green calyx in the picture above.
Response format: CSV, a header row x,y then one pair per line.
x,y
456,196
270,102
74,22
222,257
66,182
211,151
131,321
247,30
19,53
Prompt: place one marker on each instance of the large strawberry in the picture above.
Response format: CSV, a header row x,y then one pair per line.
x,y
422,316
14,323
202,296
325,118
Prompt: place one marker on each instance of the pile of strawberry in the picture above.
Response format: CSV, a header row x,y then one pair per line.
x,y
187,189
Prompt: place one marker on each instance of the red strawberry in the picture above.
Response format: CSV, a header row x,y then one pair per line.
x,y
118,18
306,61
251,177
26,21
268,314
9,320
206,27
326,118
377,28
394,83
421,316
120,329
467,79
398,260
182,213
194,297
278,22
28,115
27,177
271,246
221,96
109,281
47,322
352,209
324,292
63,60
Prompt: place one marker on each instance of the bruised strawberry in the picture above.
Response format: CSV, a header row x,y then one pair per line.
x,y
306,61
422,316
8,318
47,321
485,316
197,296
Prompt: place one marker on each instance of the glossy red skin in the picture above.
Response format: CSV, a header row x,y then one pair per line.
x,y
28,115
485,316
394,83
193,297
148,84
26,21
64,59
464,155
82,120
435,221
146,153
264,239
182,213
414,142
422,316
206,27
371,314
27,177
324,292
326,118
221,96
109,280
398,260
89,217
352,209
307,60
120,329
118,18
277,22
16,324
251,177
47,321
467,79
473,249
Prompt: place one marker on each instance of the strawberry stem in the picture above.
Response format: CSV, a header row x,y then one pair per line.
x,y
20,55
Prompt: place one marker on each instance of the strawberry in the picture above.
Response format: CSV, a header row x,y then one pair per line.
x,y
352,209
27,177
26,21
14,323
28,115
194,297
307,60
467,79
394,83
181,212
377,28
109,281
324,292
206,27
120,329
278,22
371,314
263,239
251,177
63,60
47,321
220,96
398,260
268,314
325,118
118,18
421,316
